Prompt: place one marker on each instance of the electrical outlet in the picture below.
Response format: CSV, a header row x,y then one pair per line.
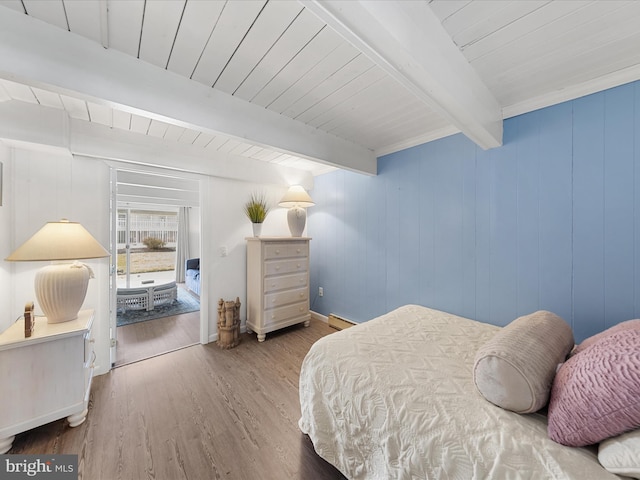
x,y
320,291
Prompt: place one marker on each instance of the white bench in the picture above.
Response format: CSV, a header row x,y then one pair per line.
x,y
146,298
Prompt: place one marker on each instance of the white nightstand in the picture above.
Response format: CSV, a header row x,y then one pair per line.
x,y
45,377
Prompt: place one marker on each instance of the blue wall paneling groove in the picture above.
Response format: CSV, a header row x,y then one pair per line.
x,y
547,221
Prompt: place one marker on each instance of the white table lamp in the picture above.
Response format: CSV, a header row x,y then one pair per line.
x,y
60,287
296,199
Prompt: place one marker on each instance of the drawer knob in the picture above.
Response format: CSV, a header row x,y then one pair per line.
x,y
273,301
298,251
277,252
301,309
93,340
278,267
301,294
272,317
273,285
298,265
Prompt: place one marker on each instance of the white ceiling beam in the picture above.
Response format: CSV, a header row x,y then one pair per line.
x,y
44,56
407,40
34,125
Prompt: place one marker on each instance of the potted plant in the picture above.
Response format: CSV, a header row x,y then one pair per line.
x,y
256,210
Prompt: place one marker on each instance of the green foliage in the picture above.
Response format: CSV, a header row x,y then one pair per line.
x,y
257,208
153,243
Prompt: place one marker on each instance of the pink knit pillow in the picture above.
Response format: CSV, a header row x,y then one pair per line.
x,y
628,325
595,394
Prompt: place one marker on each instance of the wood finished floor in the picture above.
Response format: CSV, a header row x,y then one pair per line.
x,y
154,337
196,413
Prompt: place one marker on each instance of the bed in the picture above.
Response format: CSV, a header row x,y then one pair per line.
x,y
394,398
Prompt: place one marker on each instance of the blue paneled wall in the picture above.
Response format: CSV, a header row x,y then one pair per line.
x,y
550,220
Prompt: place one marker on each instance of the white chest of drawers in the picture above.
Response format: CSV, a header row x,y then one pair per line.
x,y
277,283
45,377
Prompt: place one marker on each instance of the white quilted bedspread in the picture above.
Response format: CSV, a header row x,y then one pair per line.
x,y
393,398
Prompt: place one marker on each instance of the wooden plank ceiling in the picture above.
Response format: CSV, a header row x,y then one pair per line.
x,y
300,60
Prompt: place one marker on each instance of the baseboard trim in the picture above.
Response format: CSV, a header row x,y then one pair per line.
x,y
319,316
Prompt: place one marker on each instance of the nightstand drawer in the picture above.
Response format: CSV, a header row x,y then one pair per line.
x,y
284,298
284,267
284,313
282,250
273,284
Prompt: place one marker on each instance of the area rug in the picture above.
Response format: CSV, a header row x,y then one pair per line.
x,y
184,304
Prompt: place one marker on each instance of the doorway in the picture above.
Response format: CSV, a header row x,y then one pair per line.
x,y
155,229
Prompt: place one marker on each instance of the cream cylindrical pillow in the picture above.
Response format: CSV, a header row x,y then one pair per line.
x,y
515,369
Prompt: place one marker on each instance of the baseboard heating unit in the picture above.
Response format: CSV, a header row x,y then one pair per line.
x,y
339,323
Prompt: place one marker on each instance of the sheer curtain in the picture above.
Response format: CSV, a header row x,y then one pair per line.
x,y
182,244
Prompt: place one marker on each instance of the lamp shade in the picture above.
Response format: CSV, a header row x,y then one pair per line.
x,y
60,288
63,240
296,196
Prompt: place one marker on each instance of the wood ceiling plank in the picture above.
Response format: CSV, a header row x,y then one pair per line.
x,y
274,19
226,147
159,28
203,140
50,11
18,91
121,120
304,28
100,114
140,124
327,107
198,22
218,142
157,128
75,107
321,46
562,44
354,108
339,80
235,20
47,98
322,70
369,109
84,18
445,8
125,25
241,149
188,136
173,133
486,23
530,29
586,67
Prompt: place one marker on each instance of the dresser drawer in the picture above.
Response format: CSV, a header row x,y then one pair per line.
x,y
284,298
283,267
281,314
273,284
284,250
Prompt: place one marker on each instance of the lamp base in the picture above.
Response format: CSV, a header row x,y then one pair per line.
x,y
60,290
297,218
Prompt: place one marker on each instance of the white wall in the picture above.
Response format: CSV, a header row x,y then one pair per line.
x,y
49,185
7,313
194,231
225,227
